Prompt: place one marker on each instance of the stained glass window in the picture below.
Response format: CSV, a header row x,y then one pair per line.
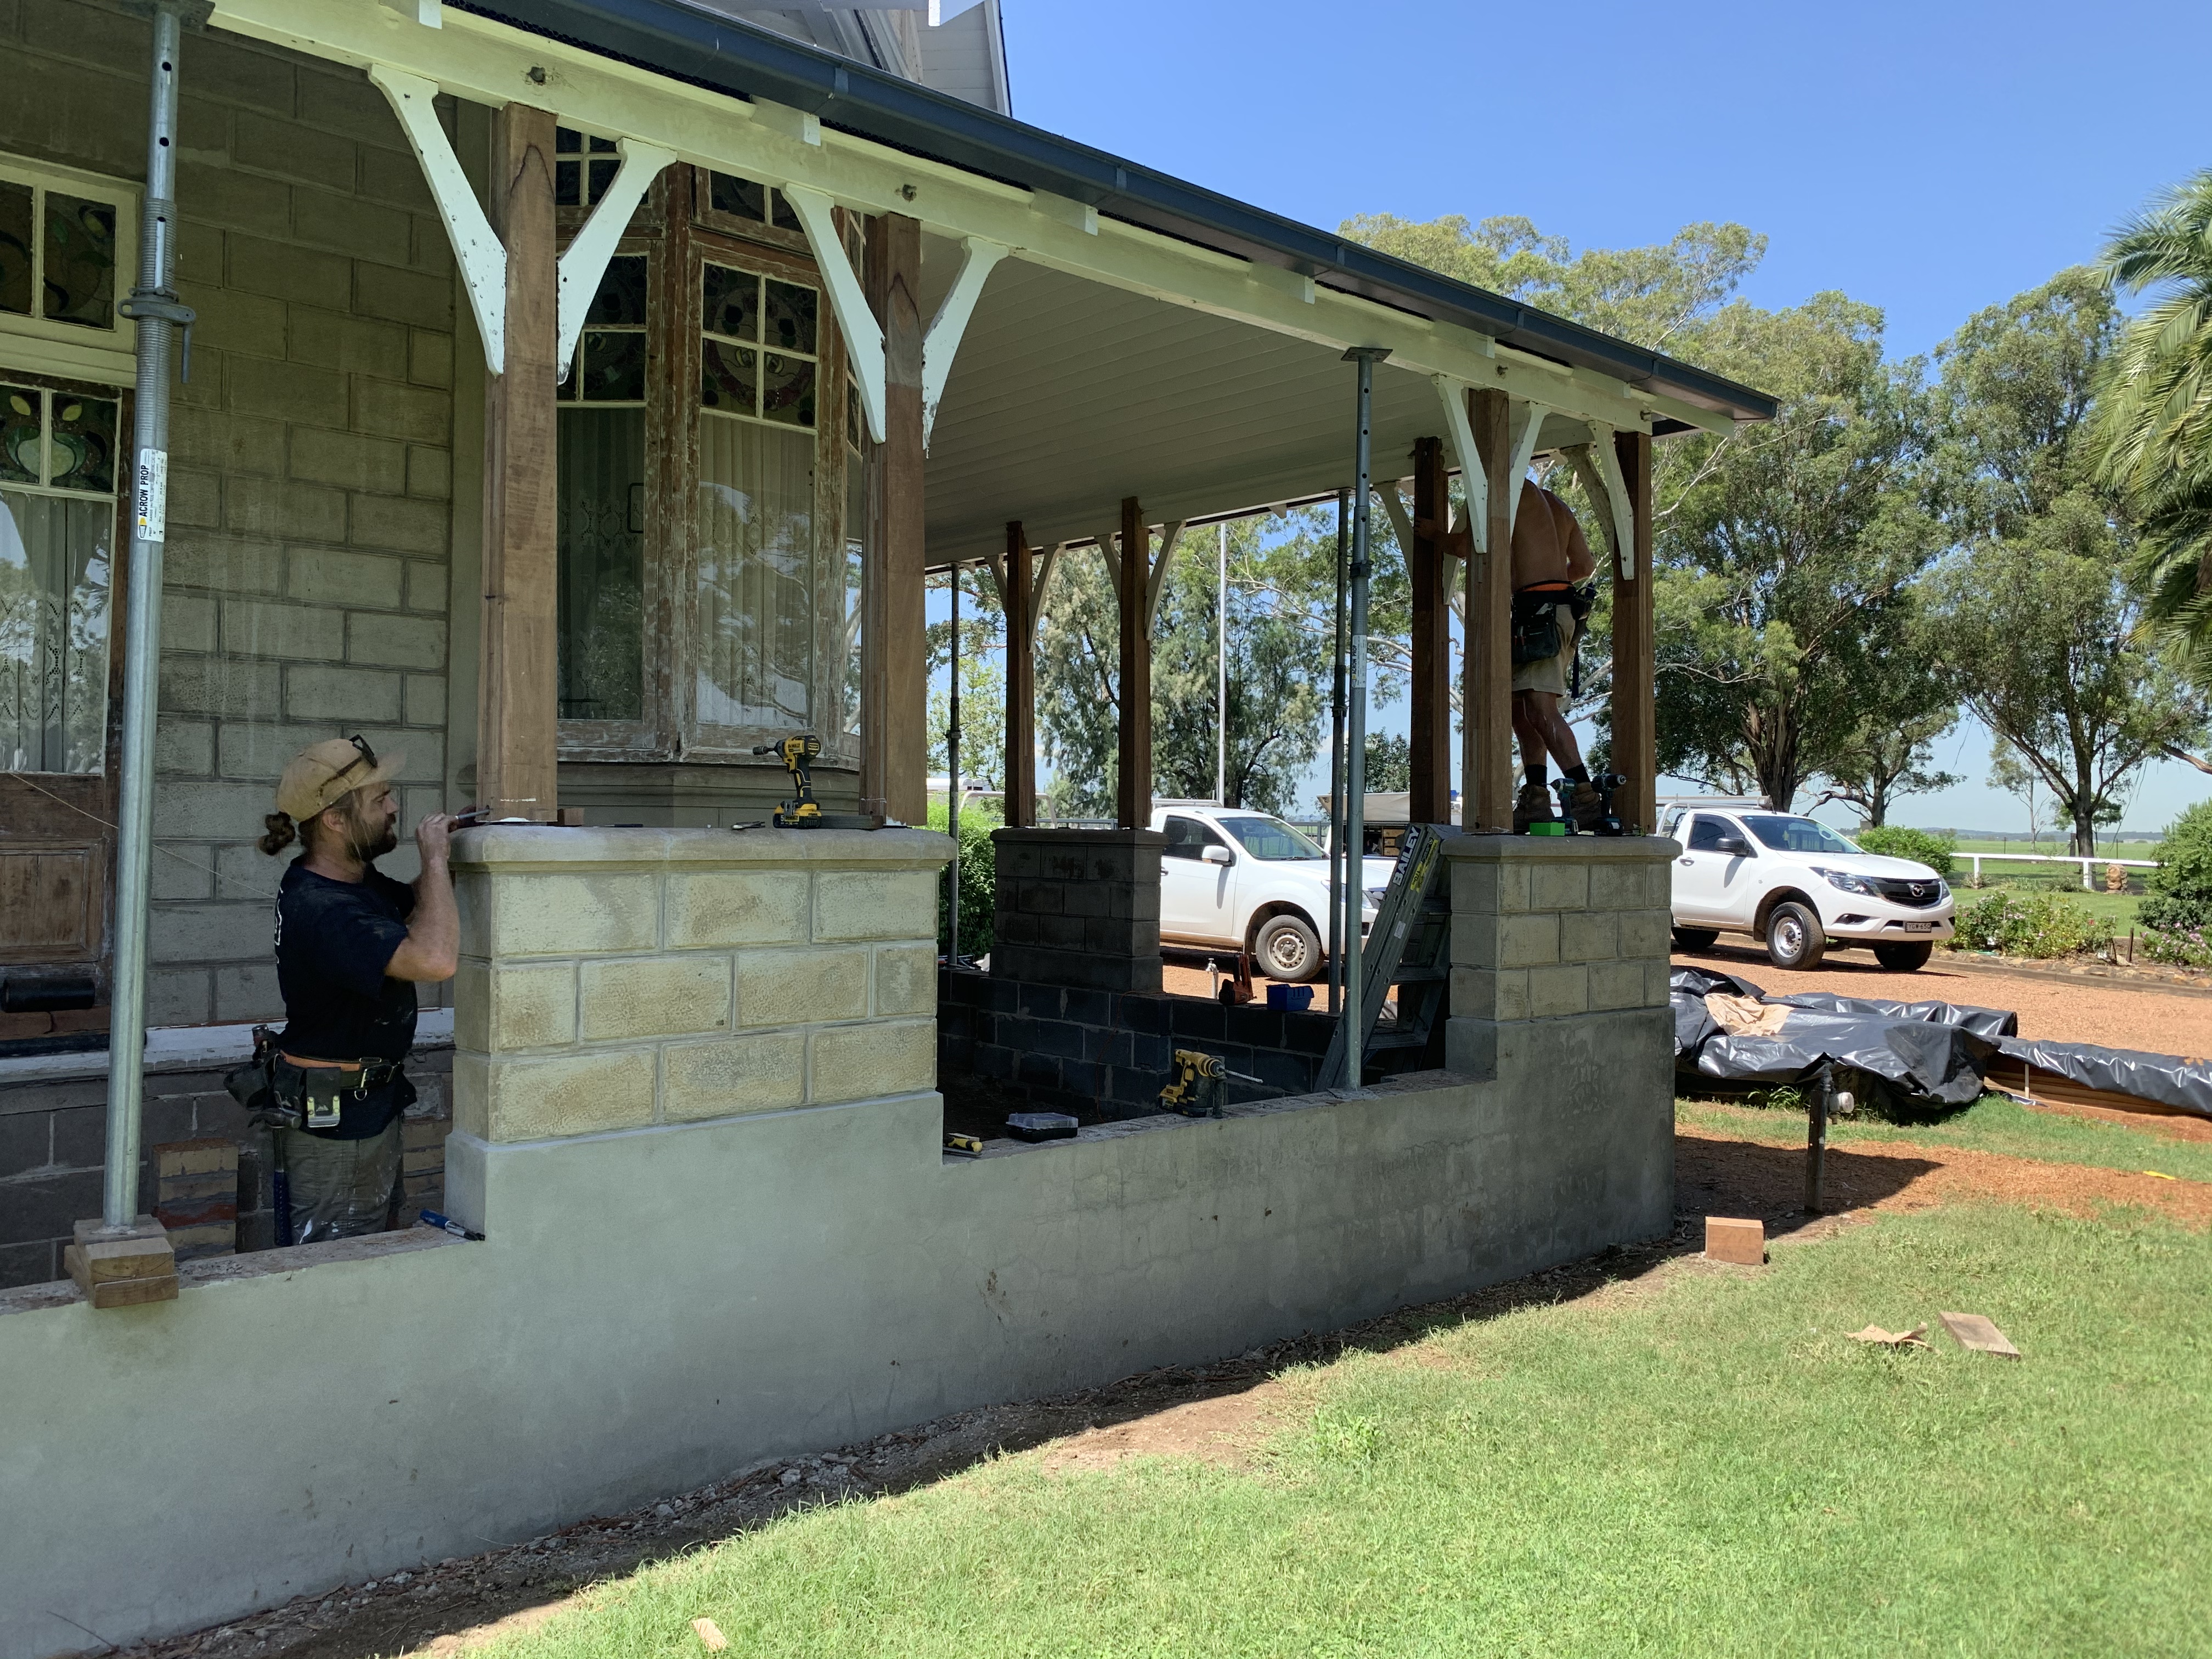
x,y
79,264
600,536
61,244
16,252
583,167
744,198
740,308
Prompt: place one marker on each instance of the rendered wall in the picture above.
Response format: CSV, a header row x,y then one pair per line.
x,y
657,1306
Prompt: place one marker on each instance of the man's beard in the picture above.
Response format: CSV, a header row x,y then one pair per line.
x,y
369,845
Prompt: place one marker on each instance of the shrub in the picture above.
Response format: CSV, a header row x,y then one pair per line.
x,y
2029,924
1921,846
2180,889
979,879
2182,947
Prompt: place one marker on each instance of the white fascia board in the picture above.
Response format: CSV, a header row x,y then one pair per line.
x,y
583,261
1473,479
1708,420
864,335
476,248
941,343
489,62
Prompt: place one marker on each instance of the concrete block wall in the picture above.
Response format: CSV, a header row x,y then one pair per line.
x,y
311,466
1078,907
1548,929
53,1137
613,979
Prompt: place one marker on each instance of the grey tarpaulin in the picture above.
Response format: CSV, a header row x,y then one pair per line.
x,y
2165,1079
1925,1054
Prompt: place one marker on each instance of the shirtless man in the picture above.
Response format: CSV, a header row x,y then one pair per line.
x,y
1548,548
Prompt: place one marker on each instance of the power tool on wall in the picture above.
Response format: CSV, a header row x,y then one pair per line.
x,y
1196,1090
802,811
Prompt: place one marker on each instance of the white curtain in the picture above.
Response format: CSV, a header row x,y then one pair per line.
x,y
758,573
55,571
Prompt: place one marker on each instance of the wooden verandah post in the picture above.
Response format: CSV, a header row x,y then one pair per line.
x,y
1486,695
1019,598
1635,664
1132,789
1430,800
518,712
895,685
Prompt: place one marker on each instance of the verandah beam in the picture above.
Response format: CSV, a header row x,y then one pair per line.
x,y
518,747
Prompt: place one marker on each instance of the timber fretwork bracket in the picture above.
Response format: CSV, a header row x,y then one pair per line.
x,y
477,247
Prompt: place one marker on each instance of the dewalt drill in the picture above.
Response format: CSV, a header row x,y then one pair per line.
x,y
802,811
1196,1090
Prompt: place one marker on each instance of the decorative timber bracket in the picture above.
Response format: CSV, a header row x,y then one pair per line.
x,y
477,247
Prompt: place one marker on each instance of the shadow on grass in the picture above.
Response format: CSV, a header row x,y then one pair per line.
x,y
517,1581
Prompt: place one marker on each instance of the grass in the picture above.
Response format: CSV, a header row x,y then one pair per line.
x,y
1994,1124
1711,1467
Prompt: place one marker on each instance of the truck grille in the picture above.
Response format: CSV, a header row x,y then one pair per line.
x,y
1918,894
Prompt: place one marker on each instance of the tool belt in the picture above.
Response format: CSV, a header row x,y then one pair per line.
x,y
287,1095
1536,622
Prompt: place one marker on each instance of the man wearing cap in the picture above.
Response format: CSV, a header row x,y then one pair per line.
x,y
351,945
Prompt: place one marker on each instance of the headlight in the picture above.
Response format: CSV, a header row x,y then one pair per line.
x,y
1375,895
1848,882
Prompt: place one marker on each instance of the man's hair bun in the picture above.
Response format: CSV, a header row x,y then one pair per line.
x,y
282,832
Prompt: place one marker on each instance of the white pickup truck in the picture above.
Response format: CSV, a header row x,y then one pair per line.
x,y
1234,879
1799,887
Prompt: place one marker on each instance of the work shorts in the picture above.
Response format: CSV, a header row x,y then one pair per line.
x,y
1550,673
340,1188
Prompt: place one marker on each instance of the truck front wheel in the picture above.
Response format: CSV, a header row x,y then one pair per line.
x,y
1288,948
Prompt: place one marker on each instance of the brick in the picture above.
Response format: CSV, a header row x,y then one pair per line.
x,y
1643,933
282,509
430,351
737,908
188,623
1513,888
662,996
401,523
906,980
258,627
1616,985
759,1073
1557,991
295,151
1558,887
352,345
420,412
366,695
194,498
1729,1238
179,996
426,699
209,812
495,1012
288,392
248,991
325,575
396,641
82,113
223,67
429,473
366,230
166,878
1616,887
1590,936
427,583
223,932
47,1206
239,201
231,319
801,988
393,176
224,563
229,443
570,915
403,296
219,685
185,1160
545,1097
882,1057
347,460
342,101
282,272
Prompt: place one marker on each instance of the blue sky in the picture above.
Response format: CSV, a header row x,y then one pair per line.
x,y
1929,159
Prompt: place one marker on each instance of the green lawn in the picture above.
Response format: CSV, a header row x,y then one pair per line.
x,y
1712,1468
1994,1124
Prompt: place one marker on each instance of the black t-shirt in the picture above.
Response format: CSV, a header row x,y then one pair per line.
x,y
333,941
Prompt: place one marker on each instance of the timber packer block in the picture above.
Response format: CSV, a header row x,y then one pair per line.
x,y
123,1269
195,1196
1730,1239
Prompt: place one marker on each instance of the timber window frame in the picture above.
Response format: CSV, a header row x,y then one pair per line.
x,y
105,353
679,625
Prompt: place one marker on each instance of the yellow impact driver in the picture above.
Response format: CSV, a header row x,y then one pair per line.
x,y
801,811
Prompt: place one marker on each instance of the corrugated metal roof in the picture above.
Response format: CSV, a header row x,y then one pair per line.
x,y
709,50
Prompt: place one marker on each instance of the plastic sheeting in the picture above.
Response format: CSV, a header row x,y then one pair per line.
x,y
2182,1084
1927,1055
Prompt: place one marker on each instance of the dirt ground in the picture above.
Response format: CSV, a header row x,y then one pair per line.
x,y
2147,1014
1220,1412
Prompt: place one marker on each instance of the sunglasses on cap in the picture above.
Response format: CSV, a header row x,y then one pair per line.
x,y
366,757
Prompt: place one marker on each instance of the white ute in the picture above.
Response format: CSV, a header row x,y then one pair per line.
x,y
1800,887
1234,879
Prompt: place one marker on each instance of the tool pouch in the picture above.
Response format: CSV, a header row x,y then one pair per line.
x,y
1537,622
314,1097
251,1084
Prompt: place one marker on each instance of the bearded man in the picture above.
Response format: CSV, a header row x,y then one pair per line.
x,y
352,943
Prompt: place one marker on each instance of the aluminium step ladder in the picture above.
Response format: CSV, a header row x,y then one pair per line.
x,y
1408,946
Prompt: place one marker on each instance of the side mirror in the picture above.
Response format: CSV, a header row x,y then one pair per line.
x,y
1217,855
1734,846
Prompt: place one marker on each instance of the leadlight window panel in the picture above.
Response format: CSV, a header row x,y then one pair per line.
x,y
600,518
759,346
751,201
57,574
67,242
584,166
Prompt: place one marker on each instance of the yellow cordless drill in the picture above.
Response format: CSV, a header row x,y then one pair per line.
x,y
801,811
1196,1091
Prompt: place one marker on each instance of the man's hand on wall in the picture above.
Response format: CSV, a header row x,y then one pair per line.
x,y
434,837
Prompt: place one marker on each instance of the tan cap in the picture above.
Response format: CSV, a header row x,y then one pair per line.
x,y
324,774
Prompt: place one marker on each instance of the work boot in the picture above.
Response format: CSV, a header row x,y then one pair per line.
x,y
1532,806
1587,807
